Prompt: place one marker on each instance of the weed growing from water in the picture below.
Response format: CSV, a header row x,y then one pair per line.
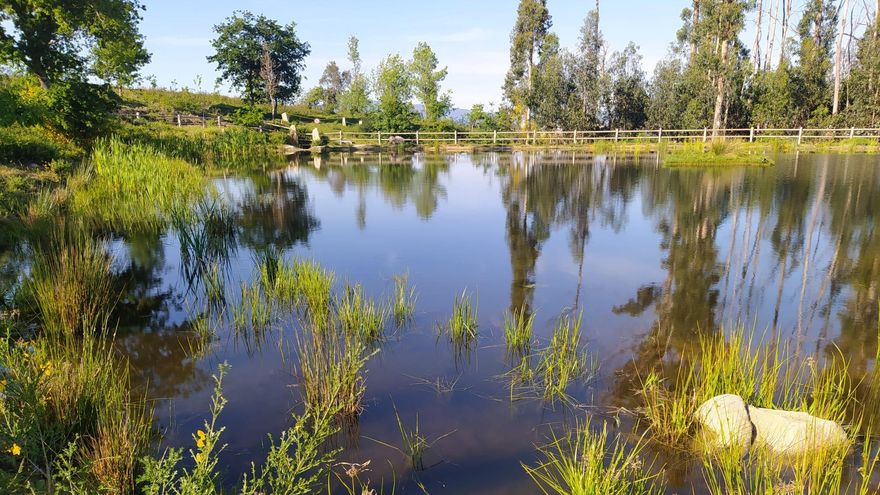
x,y
580,463
563,361
404,303
518,329
314,284
462,326
360,316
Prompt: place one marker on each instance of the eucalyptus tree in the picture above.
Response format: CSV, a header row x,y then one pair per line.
x,y
551,87
57,39
240,43
587,68
356,99
816,32
526,40
333,83
426,78
864,79
627,105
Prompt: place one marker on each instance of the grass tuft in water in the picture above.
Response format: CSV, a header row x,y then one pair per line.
x,y
313,285
359,315
462,326
71,285
331,374
563,361
518,329
404,304
581,463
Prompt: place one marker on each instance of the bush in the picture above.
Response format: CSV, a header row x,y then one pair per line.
x,y
250,117
26,145
80,110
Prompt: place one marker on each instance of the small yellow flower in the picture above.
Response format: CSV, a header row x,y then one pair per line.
x,y
200,457
2,386
200,441
47,368
14,450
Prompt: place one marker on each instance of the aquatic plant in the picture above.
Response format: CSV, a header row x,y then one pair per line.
x,y
331,371
360,316
580,463
462,326
563,361
518,329
313,285
71,285
404,302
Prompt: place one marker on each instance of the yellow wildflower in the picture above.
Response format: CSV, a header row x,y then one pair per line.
x,y
3,386
14,450
47,368
200,457
200,441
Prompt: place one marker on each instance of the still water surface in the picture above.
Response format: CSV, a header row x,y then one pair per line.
x,y
651,256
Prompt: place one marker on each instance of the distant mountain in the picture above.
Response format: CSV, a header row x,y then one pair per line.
x,y
458,115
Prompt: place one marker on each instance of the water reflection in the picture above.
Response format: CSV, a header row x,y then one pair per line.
x,y
651,256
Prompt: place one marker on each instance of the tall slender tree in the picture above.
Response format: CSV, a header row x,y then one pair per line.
x,y
526,40
426,82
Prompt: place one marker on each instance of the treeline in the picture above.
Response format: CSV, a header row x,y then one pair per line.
x,y
823,70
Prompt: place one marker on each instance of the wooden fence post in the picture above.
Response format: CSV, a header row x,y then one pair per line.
x,y
379,137
574,138
705,133
800,135
178,120
751,134
659,134
340,137
417,138
455,136
495,136
852,132
219,124
616,134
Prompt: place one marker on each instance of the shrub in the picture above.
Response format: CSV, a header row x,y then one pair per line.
x,y
81,110
27,145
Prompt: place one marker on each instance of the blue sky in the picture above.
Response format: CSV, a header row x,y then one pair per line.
x,y
470,37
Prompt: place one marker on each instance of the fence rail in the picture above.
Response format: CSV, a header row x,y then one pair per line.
x,y
559,137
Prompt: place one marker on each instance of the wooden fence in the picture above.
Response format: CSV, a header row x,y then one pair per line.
x,y
583,137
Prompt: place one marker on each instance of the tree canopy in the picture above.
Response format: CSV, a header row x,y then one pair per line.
x,y
239,46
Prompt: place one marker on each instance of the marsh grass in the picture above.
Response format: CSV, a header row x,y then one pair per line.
x,y
313,286
404,301
331,374
720,152
414,445
586,463
207,237
563,361
462,325
65,393
256,306
361,316
518,330
71,285
134,185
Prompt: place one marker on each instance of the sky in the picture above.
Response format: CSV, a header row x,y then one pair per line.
x,y
470,37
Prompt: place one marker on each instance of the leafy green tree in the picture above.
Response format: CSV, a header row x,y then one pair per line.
x,y
356,100
665,103
426,78
529,33
773,98
816,31
239,46
865,78
333,83
551,87
590,81
314,97
629,96
393,84
478,118
60,39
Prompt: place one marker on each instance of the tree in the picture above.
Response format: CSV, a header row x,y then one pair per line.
x,y
426,80
58,39
529,32
551,87
269,76
864,80
357,99
239,46
628,100
333,82
478,118
816,32
589,79
394,91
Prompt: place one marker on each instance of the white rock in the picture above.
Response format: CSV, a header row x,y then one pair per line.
x,y
793,432
726,417
316,134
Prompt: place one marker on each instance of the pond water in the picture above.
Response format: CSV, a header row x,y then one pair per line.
x,y
650,256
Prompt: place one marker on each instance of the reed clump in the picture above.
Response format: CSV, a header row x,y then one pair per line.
x,y
462,325
518,330
359,315
404,301
583,462
563,361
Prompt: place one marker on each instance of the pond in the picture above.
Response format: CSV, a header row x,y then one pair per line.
x,y
650,257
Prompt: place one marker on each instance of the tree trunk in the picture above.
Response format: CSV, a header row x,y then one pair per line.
x,y
695,19
771,33
756,46
786,15
274,107
838,59
719,96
